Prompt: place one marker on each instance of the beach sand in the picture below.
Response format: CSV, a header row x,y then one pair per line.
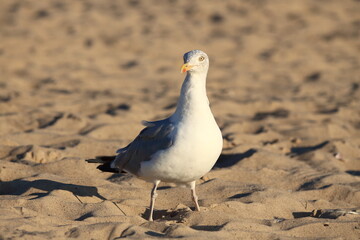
x,y
77,78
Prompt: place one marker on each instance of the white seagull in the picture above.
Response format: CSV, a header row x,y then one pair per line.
x,y
183,147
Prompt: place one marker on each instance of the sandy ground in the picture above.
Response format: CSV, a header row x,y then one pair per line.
x,y
77,77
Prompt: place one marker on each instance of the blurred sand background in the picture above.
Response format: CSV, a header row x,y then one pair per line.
x,y
77,77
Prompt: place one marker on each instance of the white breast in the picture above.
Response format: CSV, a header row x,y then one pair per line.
x,y
197,146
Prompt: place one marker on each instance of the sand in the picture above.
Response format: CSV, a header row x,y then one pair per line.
x,y
77,78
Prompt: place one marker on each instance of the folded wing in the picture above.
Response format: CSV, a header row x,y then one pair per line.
x,y
155,137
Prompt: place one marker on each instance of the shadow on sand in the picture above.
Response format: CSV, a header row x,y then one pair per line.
x,y
19,186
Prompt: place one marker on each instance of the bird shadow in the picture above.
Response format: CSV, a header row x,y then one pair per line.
x,y
20,186
168,215
157,214
229,160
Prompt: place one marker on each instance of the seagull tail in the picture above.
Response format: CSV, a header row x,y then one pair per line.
x,y
105,163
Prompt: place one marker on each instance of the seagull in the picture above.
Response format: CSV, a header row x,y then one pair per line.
x,y
181,148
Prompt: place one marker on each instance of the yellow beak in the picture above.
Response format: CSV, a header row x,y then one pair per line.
x,y
186,67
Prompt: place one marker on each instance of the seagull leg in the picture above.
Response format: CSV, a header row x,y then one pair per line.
x,y
194,196
153,197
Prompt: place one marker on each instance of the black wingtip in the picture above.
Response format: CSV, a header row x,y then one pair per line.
x,y
106,163
101,159
94,160
107,168
105,159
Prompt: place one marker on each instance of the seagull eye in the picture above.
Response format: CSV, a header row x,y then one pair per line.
x,y
201,58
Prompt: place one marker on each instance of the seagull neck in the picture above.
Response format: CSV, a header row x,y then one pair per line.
x,y
193,97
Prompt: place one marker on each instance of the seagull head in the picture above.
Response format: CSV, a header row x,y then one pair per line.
x,y
195,61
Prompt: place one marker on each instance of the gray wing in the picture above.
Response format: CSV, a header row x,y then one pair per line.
x,y
156,136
